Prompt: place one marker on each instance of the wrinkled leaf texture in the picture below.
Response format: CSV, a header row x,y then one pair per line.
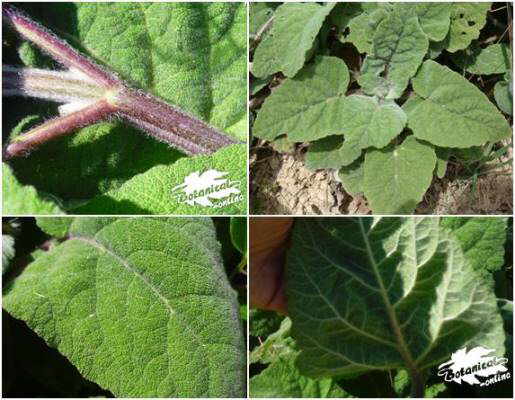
x,y
384,293
140,306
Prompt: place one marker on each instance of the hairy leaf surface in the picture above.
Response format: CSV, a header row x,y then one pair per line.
x,y
482,240
493,59
434,19
140,306
306,107
467,20
384,293
363,26
18,199
331,152
297,23
399,47
450,120
283,379
396,177
151,192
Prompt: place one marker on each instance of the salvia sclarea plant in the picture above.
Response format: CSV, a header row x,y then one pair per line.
x,y
389,121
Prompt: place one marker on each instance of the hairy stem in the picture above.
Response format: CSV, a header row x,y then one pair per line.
x,y
58,127
92,94
59,86
169,124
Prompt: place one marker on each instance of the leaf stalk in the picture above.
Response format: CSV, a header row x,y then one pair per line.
x,y
94,95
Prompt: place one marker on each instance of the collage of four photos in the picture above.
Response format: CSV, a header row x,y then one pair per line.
x,y
257,199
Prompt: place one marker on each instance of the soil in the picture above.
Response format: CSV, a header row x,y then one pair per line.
x,y
281,184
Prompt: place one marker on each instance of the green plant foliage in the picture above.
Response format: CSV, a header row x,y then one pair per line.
x,y
260,13
238,231
493,59
362,27
381,82
467,20
447,120
8,251
351,177
141,306
191,55
503,94
387,69
263,323
135,193
293,22
282,379
369,294
307,106
482,241
18,199
56,226
434,19
408,169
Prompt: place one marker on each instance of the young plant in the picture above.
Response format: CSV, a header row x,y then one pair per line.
x,y
390,123
92,94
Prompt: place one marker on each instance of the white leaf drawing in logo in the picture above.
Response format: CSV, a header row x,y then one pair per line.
x,y
211,184
467,366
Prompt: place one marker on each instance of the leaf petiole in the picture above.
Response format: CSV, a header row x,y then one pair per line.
x,y
92,94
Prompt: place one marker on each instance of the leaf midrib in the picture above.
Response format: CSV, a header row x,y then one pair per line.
x,y
394,323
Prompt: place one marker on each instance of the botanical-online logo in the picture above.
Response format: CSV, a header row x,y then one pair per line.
x,y
476,363
208,189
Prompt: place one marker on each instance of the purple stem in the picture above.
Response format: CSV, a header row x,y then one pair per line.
x,y
57,127
169,124
56,47
149,113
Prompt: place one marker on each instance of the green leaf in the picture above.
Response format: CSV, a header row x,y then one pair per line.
x,y
384,293
20,199
277,344
482,240
434,19
344,13
450,120
494,59
144,299
388,68
55,226
263,322
352,177
503,96
282,379
467,20
442,157
152,192
306,107
238,229
297,23
396,177
331,152
259,15
362,27
370,123
257,84
191,55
